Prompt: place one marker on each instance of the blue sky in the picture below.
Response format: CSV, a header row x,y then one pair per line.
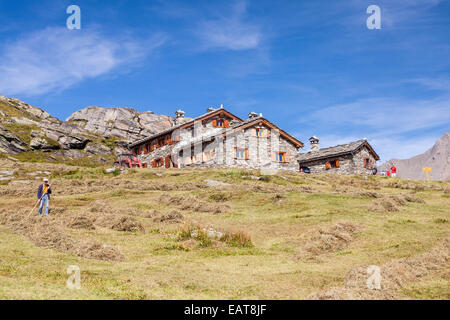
x,y
311,67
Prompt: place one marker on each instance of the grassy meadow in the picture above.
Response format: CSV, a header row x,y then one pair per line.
x,y
167,234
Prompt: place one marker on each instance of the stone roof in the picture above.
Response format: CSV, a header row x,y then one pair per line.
x,y
209,136
169,130
339,150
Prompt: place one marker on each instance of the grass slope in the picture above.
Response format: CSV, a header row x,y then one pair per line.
x,y
287,236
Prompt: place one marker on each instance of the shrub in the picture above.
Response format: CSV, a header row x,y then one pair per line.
x,y
237,239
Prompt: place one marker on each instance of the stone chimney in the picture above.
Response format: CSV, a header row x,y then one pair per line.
x,y
179,116
252,115
314,141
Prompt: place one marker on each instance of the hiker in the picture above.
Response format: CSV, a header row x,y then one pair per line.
x,y
393,171
388,173
43,195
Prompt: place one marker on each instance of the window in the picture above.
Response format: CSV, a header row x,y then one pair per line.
x,y
220,123
241,153
282,157
366,163
258,132
208,155
335,164
158,163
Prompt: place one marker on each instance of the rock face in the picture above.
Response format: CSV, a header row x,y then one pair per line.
x,y
24,127
125,123
438,158
10,143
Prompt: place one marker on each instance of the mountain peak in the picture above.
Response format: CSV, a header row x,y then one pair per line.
x,y
437,157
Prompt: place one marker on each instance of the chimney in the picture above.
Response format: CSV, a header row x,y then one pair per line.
x,y
314,141
179,116
252,115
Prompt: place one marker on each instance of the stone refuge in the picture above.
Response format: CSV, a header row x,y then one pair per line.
x,y
220,139
357,157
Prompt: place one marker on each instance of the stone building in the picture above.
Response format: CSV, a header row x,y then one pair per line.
x,y
220,139
356,157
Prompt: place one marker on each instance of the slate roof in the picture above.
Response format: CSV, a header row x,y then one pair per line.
x,y
168,130
205,137
339,150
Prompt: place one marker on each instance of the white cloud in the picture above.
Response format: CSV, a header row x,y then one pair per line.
x,y
56,58
387,147
396,128
230,32
387,115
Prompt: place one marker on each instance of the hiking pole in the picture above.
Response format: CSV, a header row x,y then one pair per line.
x,y
35,205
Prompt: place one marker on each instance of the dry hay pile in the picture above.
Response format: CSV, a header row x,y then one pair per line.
x,y
128,224
106,216
119,223
332,239
157,185
354,192
390,203
394,276
20,188
80,222
98,207
415,186
171,217
369,194
191,203
383,205
262,187
46,231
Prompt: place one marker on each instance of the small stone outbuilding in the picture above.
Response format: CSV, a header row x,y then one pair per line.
x,y
357,157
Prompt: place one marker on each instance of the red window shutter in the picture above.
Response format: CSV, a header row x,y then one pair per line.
x,y
338,163
154,164
286,157
226,123
214,123
327,165
168,162
246,154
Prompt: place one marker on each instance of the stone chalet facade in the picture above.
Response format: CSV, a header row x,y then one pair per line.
x,y
219,139
356,157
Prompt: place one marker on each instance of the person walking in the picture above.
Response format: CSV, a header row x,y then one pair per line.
x,y
393,171
43,195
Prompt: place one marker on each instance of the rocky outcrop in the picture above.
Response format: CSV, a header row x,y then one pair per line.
x,y
125,123
10,143
97,148
85,133
438,158
39,143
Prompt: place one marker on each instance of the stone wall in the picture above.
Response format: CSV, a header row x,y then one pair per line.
x,y
260,151
349,164
221,152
